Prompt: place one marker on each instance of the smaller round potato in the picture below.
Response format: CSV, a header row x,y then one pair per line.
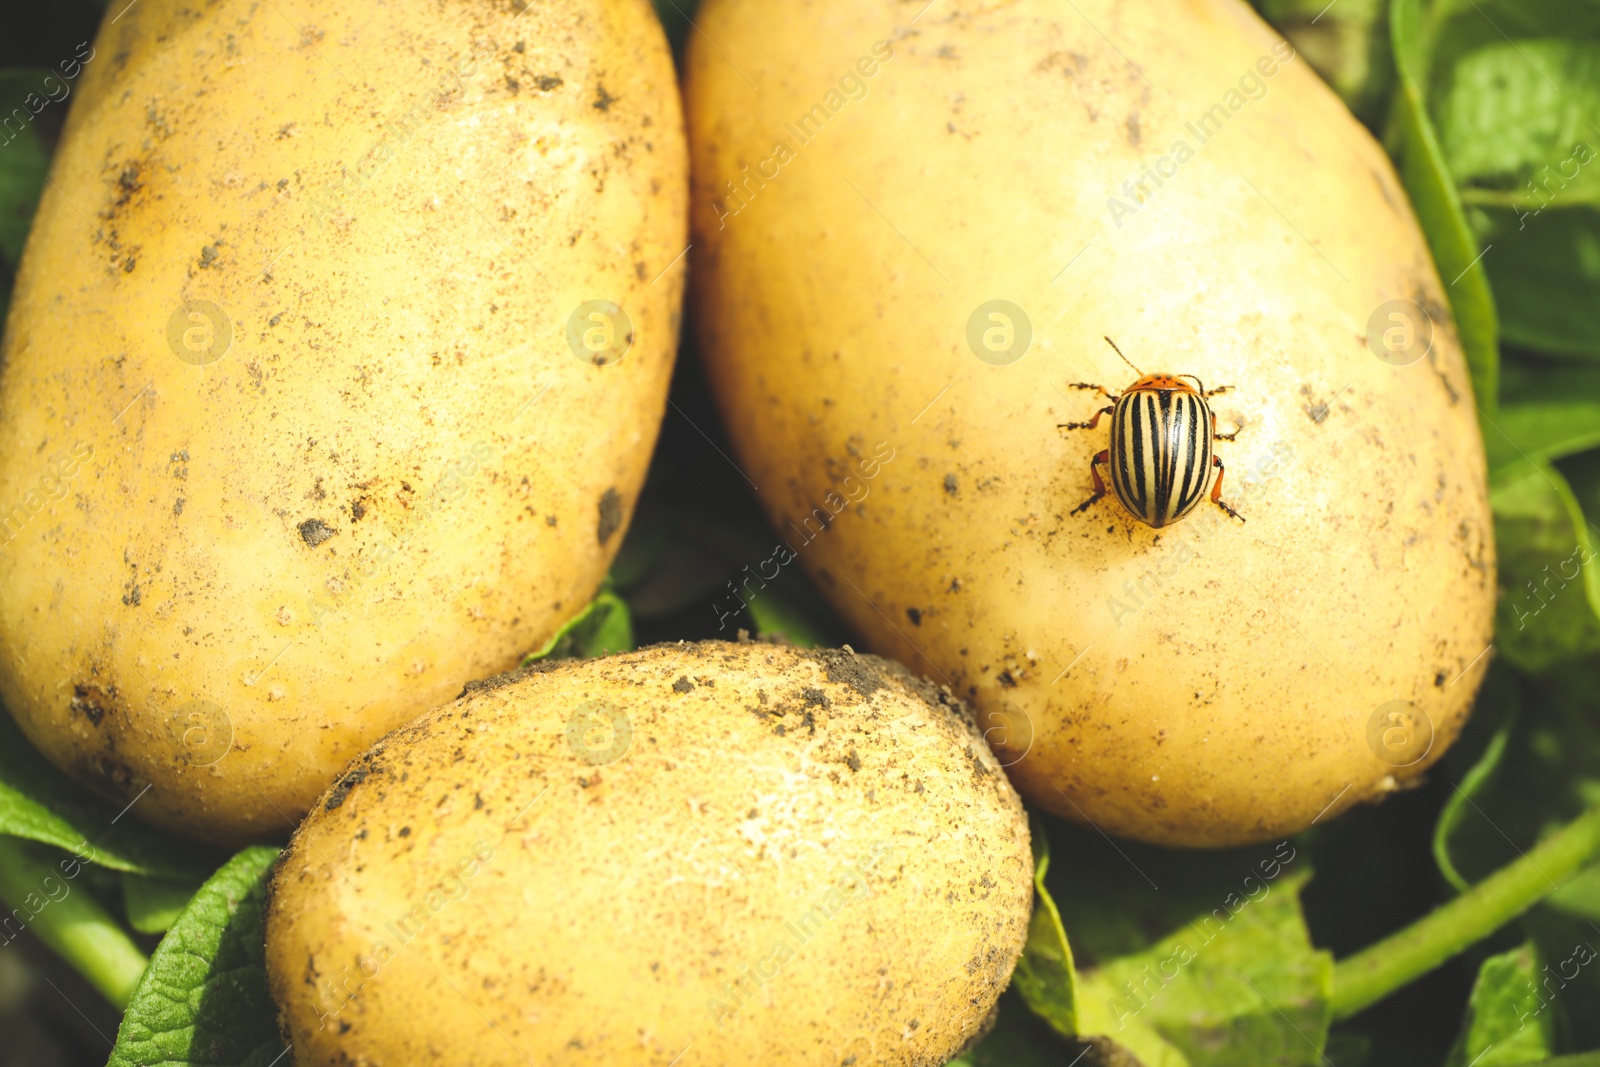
x,y
694,854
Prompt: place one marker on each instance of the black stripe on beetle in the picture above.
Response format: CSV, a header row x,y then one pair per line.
x,y
1160,453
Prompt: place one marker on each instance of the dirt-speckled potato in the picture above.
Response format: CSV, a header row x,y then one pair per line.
x,y
709,854
293,442
1172,176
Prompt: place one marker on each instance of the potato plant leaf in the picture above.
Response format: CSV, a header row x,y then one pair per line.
x,y
1216,967
1427,178
1546,276
1515,97
1547,774
1500,697
203,999
1548,611
1506,1023
41,891
1241,983
41,804
775,614
1547,412
603,626
154,904
1045,976
1509,113
789,607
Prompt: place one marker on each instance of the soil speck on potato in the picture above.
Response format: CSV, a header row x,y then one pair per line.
x,y
90,702
683,685
859,673
342,789
314,531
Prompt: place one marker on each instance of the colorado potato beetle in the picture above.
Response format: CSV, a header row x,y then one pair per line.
x,y
1160,455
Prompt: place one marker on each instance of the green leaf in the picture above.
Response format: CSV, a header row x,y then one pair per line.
x,y
602,627
776,615
1215,967
203,999
1045,976
1463,27
40,803
44,895
1499,692
1551,591
24,159
789,607
1516,99
1548,774
1506,1022
1433,194
1546,276
154,904
1510,112
1564,940
1239,984
1547,412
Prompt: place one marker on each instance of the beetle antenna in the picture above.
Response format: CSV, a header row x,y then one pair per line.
x,y
1125,359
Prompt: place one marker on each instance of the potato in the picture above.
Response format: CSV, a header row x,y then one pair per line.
x,y
724,853
913,239
295,436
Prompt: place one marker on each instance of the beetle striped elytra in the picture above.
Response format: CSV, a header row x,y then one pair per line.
x,y
1160,455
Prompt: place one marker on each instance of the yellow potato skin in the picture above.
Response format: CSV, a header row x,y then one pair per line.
x,y
1207,684
576,867
398,476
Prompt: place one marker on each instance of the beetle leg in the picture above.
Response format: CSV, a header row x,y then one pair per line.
x,y
1217,391
1216,490
1095,388
1103,456
1091,424
1215,436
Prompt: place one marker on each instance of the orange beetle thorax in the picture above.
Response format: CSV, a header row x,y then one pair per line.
x,y
1161,381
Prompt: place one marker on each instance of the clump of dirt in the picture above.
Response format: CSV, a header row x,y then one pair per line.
x,y
864,674
342,787
511,677
314,531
